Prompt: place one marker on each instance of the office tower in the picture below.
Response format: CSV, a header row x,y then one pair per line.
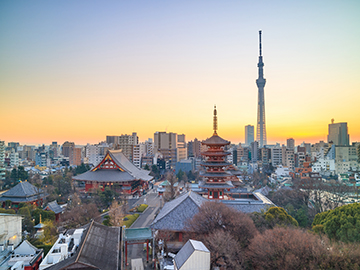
x,y
166,144
338,133
249,135
126,143
290,143
260,82
181,147
254,148
66,148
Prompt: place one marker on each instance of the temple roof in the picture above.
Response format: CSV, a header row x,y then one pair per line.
x,y
22,192
126,171
215,140
53,206
221,185
174,215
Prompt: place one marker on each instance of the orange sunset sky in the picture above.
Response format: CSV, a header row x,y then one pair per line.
x,y
81,70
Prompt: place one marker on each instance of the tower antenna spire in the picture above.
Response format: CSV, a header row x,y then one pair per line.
x,y
215,121
260,50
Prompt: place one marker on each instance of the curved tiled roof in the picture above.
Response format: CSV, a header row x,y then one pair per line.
x,y
130,173
22,192
215,140
175,214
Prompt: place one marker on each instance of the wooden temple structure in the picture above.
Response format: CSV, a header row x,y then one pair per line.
x,y
216,179
116,172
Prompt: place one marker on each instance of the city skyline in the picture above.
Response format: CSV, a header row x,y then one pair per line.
x,y
78,71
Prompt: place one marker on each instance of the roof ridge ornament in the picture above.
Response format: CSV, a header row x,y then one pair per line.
x,y
215,121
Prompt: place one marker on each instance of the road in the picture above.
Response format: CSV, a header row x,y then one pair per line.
x,y
154,202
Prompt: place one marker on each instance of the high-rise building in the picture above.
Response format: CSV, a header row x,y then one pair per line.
x,y
249,135
66,148
126,143
2,160
75,156
260,82
181,147
338,133
290,143
166,144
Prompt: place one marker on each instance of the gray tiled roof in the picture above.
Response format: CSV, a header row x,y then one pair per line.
x,y
99,249
22,192
187,250
53,206
214,140
175,214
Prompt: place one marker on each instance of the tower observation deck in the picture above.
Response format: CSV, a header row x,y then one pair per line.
x,y
260,82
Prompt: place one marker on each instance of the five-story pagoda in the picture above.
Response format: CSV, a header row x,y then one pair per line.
x,y
215,178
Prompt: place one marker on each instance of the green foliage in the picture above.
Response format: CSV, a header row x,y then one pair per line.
x,y
130,219
141,208
342,223
45,215
146,167
106,196
278,216
7,211
180,175
82,168
106,221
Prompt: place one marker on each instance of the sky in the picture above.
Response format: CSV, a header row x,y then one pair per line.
x,y
81,70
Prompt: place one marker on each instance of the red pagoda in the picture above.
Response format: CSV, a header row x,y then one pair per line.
x,y
216,180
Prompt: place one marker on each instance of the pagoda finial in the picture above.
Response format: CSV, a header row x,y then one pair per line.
x,y
215,120
260,52
40,219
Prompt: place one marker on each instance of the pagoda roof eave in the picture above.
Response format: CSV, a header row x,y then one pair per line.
x,y
215,140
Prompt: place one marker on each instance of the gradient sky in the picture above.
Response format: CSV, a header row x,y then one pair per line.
x,y
81,70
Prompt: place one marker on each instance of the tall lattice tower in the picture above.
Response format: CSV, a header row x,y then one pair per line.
x,y
260,82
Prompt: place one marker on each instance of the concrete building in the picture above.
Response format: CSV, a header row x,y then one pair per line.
x,y
10,228
65,149
254,148
338,133
181,147
243,154
92,154
249,135
75,156
276,156
290,143
41,159
166,144
2,160
289,159
14,158
126,144
139,151
194,148
193,255
345,158
149,147
112,140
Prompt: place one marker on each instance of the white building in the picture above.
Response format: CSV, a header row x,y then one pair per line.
x,y
10,230
276,156
63,248
193,255
138,152
14,158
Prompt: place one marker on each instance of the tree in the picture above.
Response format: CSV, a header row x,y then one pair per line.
x,y
180,175
147,167
342,223
116,213
216,220
155,171
171,189
285,248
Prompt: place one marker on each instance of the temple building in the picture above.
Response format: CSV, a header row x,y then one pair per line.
x,y
216,179
24,192
118,173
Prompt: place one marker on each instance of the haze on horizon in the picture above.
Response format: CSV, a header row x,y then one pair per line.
x,y
81,70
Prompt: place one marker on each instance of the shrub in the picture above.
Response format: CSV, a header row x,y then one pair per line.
x,y
141,208
130,219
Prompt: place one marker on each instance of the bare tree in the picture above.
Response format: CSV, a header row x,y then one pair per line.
x,y
116,213
171,189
